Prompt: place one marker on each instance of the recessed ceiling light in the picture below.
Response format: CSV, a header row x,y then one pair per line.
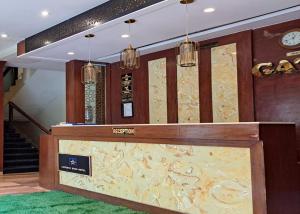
x,y
71,53
125,36
47,42
209,10
3,35
45,13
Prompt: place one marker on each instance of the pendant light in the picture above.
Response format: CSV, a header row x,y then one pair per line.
x,y
89,71
130,57
187,49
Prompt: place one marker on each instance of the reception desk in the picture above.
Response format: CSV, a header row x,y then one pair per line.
x,y
239,168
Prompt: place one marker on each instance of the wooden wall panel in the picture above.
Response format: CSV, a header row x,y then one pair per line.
x,y
2,64
74,92
277,98
47,158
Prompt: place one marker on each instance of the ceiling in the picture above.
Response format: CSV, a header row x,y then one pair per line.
x,y
21,19
159,22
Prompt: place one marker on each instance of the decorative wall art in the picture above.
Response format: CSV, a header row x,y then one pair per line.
x,y
127,95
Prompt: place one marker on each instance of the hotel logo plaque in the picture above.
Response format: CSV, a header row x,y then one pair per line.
x,y
75,164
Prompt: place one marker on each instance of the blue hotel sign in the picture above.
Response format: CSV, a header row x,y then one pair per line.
x,y
75,164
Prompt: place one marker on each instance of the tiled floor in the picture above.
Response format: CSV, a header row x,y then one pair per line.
x,y
20,184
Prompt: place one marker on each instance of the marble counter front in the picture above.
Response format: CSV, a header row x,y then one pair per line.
x,y
192,168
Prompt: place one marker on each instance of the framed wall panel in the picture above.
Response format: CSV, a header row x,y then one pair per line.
x,y
158,109
224,80
188,94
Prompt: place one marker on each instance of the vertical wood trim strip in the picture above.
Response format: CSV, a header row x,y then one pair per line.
x,y
206,115
245,78
74,92
172,87
2,64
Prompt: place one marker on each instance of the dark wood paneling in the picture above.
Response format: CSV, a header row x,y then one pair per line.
x,y
243,41
141,89
21,48
46,160
243,131
281,170
204,58
172,86
2,64
277,98
74,92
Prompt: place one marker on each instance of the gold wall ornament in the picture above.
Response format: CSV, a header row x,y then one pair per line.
x,y
263,69
297,61
285,66
130,58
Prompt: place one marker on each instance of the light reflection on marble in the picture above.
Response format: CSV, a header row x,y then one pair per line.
x,y
188,94
189,179
158,111
224,83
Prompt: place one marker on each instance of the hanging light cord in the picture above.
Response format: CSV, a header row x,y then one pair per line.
x,y
186,20
129,29
89,41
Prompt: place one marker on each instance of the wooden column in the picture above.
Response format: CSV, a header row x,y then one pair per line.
x,y
74,92
2,63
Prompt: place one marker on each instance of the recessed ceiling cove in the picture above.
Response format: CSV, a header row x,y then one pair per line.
x,y
162,25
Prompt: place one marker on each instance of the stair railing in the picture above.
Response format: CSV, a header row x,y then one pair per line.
x,y
13,106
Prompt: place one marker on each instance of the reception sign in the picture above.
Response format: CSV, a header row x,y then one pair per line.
x,y
75,164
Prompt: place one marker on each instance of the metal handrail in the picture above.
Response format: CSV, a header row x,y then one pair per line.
x,y
13,106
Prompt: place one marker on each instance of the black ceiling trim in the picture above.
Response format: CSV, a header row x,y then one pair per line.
x,y
101,14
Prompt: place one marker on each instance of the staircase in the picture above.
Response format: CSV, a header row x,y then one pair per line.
x,y
20,156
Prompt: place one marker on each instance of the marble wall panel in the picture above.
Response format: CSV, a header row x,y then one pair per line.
x,y
224,83
188,94
158,109
90,102
184,178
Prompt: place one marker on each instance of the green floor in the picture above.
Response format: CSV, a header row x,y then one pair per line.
x,y
56,203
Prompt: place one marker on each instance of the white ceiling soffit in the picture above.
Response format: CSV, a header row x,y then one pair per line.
x,y
164,21
21,19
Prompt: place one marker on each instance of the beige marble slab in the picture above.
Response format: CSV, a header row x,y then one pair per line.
x,y
224,83
188,94
188,179
158,107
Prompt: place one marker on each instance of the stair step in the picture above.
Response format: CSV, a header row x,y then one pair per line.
x,y
15,140
17,145
21,169
11,135
21,162
20,150
10,131
33,155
